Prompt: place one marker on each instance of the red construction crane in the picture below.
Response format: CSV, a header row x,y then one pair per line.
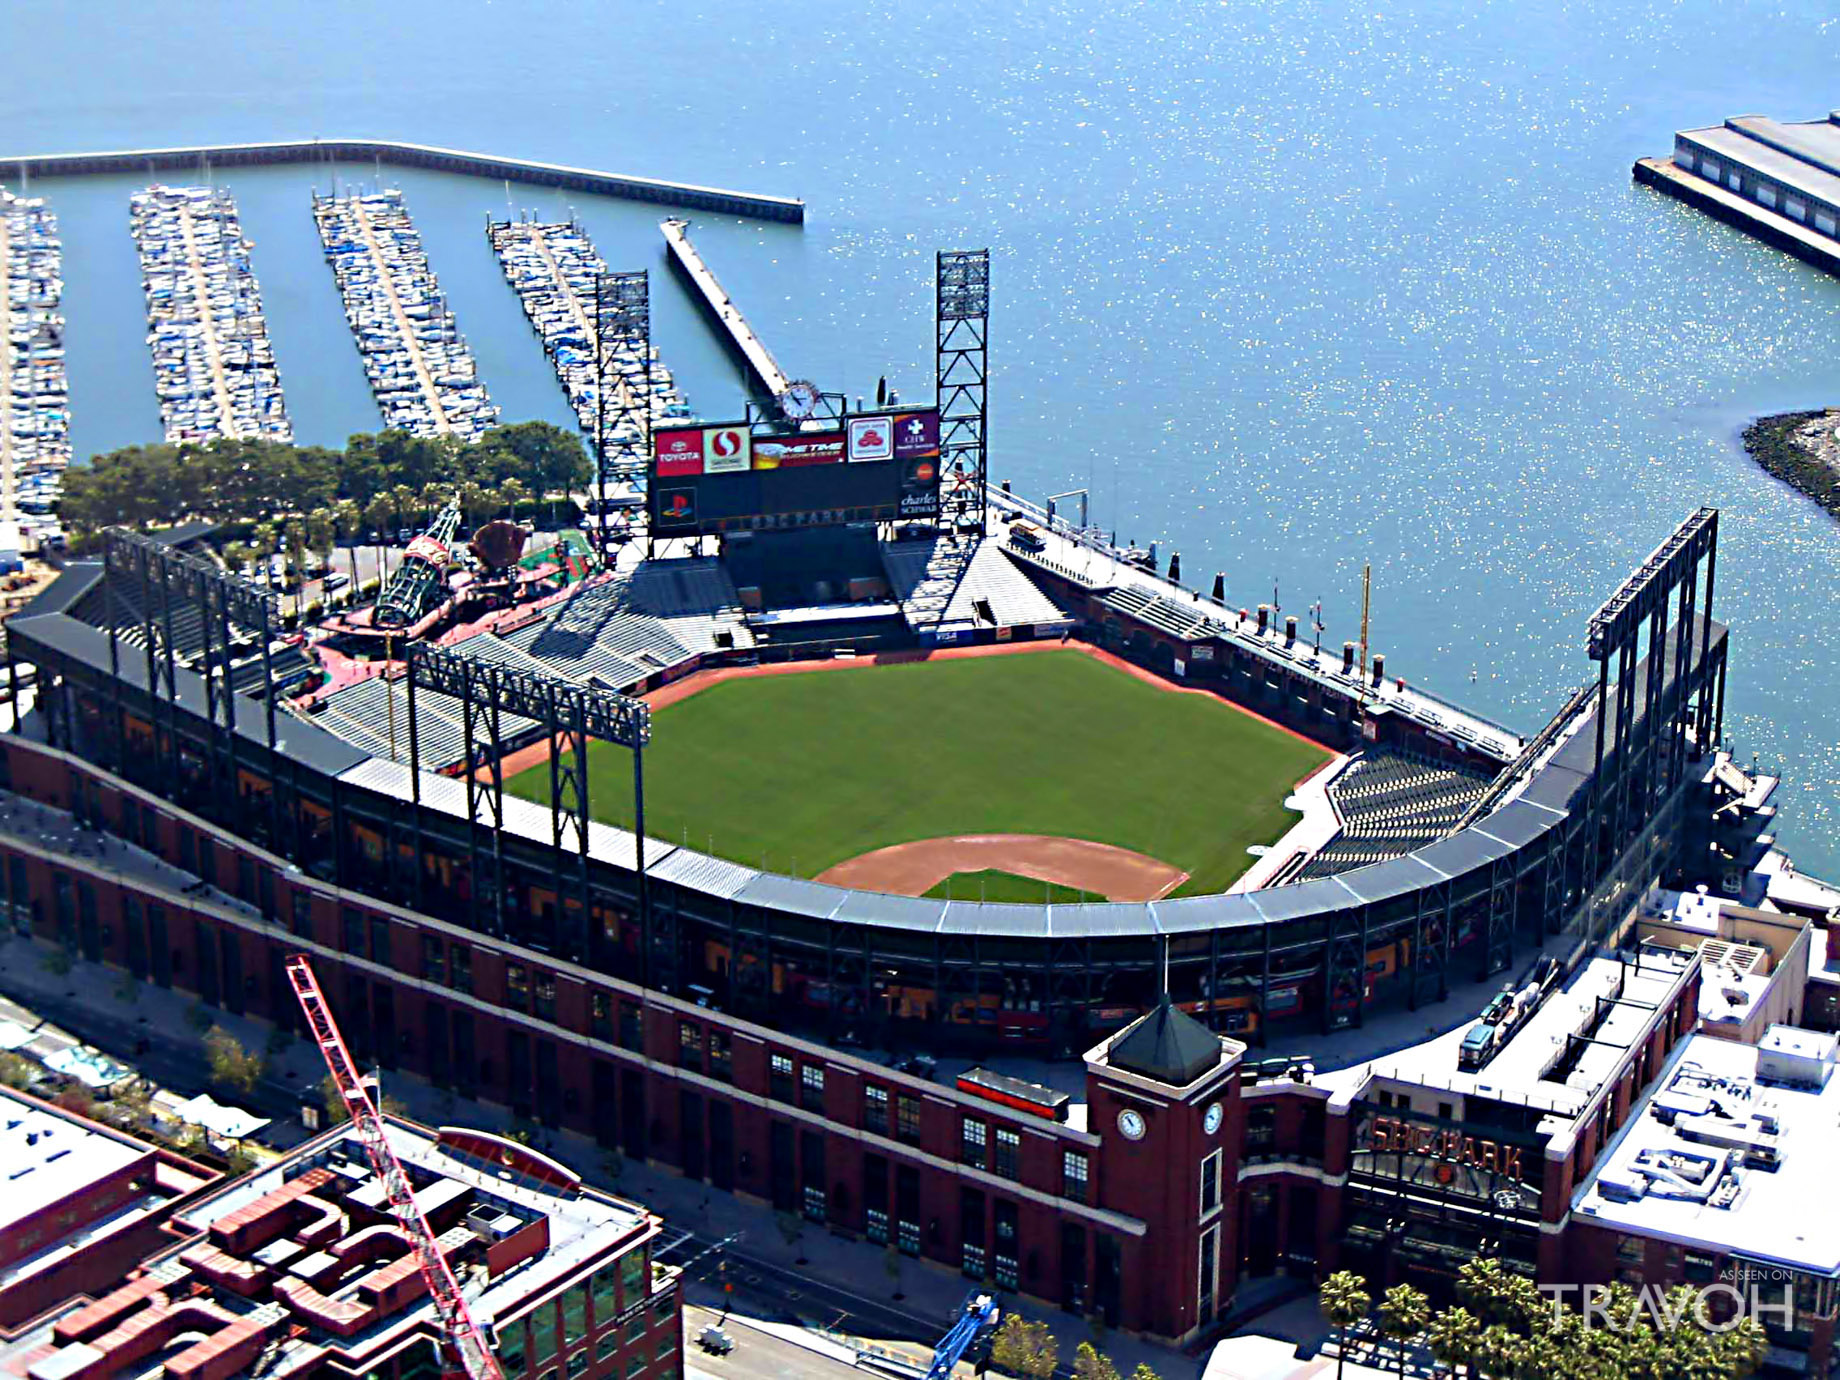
x,y
461,1333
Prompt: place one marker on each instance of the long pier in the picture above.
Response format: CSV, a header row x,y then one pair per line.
x,y
753,349
1771,227
406,155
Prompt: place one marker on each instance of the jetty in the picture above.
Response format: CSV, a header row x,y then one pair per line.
x,y
405,155
722,307
214,367
421,371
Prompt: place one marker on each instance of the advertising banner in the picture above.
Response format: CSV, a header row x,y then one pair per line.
x,y
678,453
871,438
916,435
676,507
802,448
727,450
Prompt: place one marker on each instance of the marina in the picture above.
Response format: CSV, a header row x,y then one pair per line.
x,y
420,369
552,266
34,389
214,368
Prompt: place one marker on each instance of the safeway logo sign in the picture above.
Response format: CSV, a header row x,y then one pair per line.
x,y
871,438
727,450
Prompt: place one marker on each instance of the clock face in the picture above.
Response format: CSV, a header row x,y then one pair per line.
x,y
1210,1119
799,400
1131,1123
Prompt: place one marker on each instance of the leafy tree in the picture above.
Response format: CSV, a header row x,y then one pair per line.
x,y
232,1066
891,1266
334,1105
1404,1311
1089,1363
16,1071
57,961
1344,1301
1143,1372
1025,1348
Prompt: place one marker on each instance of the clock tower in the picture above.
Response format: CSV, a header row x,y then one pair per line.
x,y
1163,1097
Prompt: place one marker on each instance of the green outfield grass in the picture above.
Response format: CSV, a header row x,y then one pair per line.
x,y
797,772
991,885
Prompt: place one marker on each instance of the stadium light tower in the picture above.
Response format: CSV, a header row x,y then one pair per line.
x,y
962,368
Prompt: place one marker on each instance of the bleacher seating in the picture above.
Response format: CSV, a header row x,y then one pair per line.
x,y
1392,802
595,635
363,713
119,594
940,581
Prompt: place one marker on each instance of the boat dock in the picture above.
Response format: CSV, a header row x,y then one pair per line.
x,y
1772,227
34,388
753,349
214,367
404,155
552,266
421,371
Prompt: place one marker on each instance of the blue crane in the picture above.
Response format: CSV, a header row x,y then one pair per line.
x,y
979,1312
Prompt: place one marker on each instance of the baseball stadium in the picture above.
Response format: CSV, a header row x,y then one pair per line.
x,y
852,832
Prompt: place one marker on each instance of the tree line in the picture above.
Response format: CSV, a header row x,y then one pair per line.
x,y
1504,1328
376,483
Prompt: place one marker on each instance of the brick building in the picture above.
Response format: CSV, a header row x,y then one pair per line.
x,y
299,1269
82,1203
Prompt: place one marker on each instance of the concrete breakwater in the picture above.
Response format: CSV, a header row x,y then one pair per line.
x,y
399,154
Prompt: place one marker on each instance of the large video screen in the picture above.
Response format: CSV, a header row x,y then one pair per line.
x,y
868,467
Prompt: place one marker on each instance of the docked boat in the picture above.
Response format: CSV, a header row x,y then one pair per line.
x,y
420,369
214,367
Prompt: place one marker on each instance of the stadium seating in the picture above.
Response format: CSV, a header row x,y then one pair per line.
x,y
939,581
1392,802
363,713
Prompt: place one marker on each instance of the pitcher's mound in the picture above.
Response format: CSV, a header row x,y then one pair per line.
x,y
912,869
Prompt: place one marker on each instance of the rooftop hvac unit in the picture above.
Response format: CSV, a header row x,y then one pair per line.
x,y
1795,1058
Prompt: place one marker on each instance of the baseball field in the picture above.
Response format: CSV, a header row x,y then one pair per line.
x,y
801,772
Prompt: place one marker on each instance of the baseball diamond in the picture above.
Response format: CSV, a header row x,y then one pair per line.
x,y
803,772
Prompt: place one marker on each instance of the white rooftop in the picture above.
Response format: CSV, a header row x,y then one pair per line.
x,y
45,1158
1701,1181
1520,1072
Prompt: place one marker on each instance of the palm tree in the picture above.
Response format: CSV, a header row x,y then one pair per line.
x,y
1404,1311
1344,1301
348,520
1452,1336
1498,1351
1482,1285
513,492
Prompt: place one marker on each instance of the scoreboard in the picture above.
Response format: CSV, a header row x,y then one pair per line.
x,y
733,477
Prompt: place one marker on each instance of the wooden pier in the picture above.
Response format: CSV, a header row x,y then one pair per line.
x,y
398,154
759,357
1772,227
